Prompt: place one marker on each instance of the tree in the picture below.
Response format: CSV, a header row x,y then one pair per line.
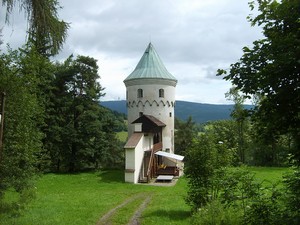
x,y
22,138
110,152
184,135
199,168
82,133
45,30
239,114
224,135
270,68
75,113
85,91
208,152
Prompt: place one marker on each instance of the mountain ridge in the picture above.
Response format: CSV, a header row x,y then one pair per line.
x,y
200,112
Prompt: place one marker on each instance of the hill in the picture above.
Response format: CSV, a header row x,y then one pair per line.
x,y
200,112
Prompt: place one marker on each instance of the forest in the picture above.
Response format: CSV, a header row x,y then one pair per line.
x,y
52,119
268,134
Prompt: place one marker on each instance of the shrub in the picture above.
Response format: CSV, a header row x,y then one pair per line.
x,y
215,213
292,184
199,169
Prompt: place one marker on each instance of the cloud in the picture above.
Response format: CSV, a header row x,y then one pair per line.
x,y
193,38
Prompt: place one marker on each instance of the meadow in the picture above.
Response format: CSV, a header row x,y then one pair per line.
x,y
84,198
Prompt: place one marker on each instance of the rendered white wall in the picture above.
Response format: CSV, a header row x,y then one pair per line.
x,y
129,164
134,159
145,143
151,104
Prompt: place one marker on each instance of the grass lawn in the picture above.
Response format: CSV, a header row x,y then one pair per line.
x,y
84,198
269,175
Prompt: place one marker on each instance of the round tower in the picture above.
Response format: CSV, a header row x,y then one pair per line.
x,y
150,90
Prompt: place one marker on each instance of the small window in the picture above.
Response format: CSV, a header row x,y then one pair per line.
x,y
161,93
170,114
141,114
140,93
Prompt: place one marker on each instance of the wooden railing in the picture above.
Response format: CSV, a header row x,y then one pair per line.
x,y
156,147
150,166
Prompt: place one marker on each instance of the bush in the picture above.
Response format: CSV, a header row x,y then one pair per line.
x,y
199,168
215,213
204,158
292,184
236,198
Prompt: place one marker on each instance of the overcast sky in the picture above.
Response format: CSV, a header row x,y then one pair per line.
x,y
193,38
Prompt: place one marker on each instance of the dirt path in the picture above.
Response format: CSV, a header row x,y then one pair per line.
x,y
105,219
135,220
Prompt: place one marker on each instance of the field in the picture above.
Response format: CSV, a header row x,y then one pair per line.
x,y
85,198
269,175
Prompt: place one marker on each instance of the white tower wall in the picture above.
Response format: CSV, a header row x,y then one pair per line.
x,y
151,103
150,90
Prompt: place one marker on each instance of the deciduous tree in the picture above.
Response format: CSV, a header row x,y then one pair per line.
x,y
270,68
184,135
82,133
239,114
22,138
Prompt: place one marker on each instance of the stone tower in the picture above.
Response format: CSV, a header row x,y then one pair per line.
x,y
150,90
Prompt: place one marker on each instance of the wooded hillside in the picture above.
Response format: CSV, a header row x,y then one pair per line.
x,y
199,112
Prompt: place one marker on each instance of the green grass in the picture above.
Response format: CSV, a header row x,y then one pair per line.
x,y
82,199
168,206
124,214
269,175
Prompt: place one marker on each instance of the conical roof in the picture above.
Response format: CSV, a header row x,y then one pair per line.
x,y
150,66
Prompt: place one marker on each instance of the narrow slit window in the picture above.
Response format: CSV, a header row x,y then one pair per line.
x,y
161,93
140,93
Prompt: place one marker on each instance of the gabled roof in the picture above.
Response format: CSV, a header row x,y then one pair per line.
x,y
150,66
133,140
148,118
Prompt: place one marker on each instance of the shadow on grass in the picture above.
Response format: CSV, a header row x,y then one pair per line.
x,y
171,215
111,176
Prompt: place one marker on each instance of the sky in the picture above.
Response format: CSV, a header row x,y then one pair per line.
x,y
193,38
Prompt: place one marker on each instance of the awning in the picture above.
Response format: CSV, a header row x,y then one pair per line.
x,y
170,155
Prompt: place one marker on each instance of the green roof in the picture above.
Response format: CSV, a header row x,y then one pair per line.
x,y
150,66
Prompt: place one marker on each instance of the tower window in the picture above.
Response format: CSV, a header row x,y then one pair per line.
x,y
161,93
170,114
140,93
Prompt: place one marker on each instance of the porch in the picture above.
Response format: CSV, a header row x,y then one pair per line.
x,y
155,166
